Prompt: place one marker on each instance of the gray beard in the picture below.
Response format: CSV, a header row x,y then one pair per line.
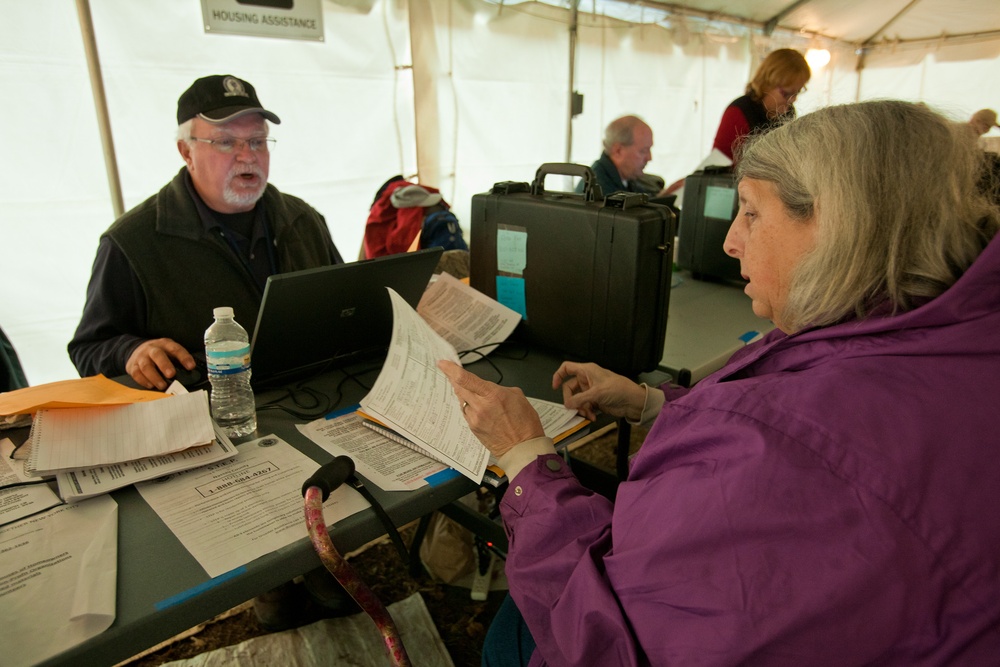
x,y
241,197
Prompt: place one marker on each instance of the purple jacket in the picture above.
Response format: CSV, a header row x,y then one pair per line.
x,y
826,498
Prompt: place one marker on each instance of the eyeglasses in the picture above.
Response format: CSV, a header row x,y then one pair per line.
x,y
791,94
233,144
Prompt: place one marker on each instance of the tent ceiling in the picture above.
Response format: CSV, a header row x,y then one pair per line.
x,y
861,21
858,22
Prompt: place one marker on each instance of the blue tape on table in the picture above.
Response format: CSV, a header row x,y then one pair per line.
x,y
442,476
342,411
199,589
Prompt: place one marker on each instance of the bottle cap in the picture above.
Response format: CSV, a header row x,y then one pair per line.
x,y
222,311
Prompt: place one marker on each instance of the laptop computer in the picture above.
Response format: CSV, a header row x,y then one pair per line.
x,y
332,315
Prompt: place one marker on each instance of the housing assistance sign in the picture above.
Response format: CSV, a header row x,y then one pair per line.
x,y
289,19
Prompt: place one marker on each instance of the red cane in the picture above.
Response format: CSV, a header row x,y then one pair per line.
x,y
315,491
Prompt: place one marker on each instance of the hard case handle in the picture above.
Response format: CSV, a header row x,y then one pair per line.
x,y
591,189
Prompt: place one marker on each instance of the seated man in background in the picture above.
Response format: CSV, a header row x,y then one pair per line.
x,y
209,238
627,150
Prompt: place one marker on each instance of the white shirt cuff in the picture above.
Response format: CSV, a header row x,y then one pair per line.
x,y
651,406
518,456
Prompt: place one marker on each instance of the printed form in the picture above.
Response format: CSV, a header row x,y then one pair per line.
x,y
227,514
58,576
386,464
28,496
465,317
416,400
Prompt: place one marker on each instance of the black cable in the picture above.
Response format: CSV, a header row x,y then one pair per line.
x,y
317,405
483,356
383,516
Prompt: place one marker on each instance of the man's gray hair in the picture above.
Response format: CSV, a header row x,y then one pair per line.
x,y
898,199
621,131
184,130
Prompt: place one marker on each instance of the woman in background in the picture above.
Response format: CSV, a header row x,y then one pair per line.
x,y
767,102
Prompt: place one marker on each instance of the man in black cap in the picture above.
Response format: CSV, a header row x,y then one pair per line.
x,y
209,238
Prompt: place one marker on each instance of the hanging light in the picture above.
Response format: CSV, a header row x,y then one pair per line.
x,y
817,58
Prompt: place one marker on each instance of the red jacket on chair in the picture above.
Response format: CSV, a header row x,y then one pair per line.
x,y
392,230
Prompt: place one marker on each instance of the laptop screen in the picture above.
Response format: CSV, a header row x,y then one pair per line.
x,y
333,315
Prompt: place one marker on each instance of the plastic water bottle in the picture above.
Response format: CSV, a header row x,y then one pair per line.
x,y
227,351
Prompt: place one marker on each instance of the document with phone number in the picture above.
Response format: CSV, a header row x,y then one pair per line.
x,y
227,514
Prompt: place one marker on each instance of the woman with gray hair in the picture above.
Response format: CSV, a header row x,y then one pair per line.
x,y
830,496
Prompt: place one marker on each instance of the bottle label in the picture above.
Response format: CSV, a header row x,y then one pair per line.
x,y
228,362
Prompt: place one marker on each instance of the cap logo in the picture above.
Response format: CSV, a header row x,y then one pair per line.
x,y
234,87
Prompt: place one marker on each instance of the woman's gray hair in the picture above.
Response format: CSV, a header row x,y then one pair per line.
x,y
896,191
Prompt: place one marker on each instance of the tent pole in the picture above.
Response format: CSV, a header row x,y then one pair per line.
x,y
572,77
859,67
103,121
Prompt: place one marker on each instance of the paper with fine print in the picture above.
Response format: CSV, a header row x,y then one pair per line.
x,y
386,464
18,502
58,573
466,318
414,398
227,514
75,485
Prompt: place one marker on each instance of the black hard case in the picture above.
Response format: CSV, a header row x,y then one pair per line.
x,y
699,243
597,273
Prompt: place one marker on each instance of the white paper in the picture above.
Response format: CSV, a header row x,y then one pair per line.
x,y
465,317
555,417
395,467
76,485
58,573
227,514
386,464
21,501
412,397
73,438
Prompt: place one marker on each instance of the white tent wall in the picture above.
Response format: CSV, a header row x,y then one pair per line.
x,y
945,78
509,75
53,185
347,125
464,93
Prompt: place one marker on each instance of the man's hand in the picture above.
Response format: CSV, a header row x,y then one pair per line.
x,y
588,388
150,364
500,417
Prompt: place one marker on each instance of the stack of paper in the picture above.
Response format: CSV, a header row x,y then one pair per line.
x,y
94,450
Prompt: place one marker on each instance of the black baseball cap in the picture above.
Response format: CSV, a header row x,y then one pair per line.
x,y
220,98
